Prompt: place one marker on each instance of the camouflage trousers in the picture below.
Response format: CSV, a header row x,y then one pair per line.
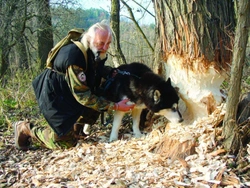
x,y
46,137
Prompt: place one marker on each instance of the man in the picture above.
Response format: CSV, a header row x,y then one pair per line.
x,y
69,92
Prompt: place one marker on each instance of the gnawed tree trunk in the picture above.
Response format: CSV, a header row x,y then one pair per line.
x,y
194,48
232,132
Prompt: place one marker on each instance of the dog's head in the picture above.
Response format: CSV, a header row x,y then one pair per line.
x,y
164,101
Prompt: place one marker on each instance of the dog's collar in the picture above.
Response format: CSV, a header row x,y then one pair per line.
x,y
127,73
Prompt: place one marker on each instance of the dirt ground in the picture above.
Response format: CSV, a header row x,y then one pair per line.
x,y
128,162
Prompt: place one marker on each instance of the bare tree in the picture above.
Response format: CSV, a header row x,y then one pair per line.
x,y
13,40
7,13
19,32
117,54
137,25
45,33
231,131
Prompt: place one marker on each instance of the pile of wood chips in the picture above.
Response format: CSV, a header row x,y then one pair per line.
x,y
168,156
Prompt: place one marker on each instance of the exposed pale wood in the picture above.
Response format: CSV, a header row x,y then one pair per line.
x,y
173,148
194,51
219,177
199,88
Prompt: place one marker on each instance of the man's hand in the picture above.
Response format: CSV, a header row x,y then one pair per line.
x,y
124,106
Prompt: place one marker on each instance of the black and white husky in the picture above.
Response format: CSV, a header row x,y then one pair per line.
x,y
140,85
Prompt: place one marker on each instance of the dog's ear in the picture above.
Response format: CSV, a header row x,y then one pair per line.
x,y
157,96
169,80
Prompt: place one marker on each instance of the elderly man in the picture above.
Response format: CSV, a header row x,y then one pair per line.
x,y
70,97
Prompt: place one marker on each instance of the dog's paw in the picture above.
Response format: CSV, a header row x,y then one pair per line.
x,y
138,135
113,138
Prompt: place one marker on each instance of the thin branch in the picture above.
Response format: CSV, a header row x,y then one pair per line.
x,y
143,8
137,25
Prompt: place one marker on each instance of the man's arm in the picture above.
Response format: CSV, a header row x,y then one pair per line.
x,y
77,83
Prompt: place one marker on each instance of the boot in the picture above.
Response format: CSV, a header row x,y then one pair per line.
x,y
81,131
22,134
78,129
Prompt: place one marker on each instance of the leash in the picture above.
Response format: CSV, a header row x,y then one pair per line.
x,y
115,72
108,83
127,73
108,120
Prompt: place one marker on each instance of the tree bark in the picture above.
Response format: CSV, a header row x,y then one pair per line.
x,y
19,32
117,55
21,54
196,28
193,47
239,53
45,34
8,11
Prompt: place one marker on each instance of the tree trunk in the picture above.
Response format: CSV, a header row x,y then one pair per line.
x,y
8,11
194,48
239,53
21,54
118,56
45,34
19,33
4,63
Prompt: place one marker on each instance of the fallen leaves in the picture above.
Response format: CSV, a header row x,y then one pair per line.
x,y
128,162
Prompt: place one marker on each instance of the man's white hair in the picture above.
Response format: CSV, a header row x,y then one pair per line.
x,y
90,33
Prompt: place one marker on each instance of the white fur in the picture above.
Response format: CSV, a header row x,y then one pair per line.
x,y
172,116
136,114
118,115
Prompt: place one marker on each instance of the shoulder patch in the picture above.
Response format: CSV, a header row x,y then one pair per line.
x,y
81,77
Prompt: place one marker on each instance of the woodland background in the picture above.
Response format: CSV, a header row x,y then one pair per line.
x,y
200,34
24,52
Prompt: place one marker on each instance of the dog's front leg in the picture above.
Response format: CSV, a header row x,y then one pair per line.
x,y
118,115
136,114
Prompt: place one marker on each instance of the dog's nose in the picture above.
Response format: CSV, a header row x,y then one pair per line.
x,y
181,120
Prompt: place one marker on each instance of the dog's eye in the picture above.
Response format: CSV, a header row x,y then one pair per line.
x,y
174,109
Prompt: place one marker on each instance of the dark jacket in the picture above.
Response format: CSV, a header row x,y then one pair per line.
x,y
61,97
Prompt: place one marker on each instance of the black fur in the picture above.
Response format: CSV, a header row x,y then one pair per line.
x,y
146,89
139,86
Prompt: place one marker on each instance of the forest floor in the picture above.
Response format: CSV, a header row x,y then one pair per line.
x,y
128,162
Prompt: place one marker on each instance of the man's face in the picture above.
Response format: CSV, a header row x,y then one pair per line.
x,y
100,44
